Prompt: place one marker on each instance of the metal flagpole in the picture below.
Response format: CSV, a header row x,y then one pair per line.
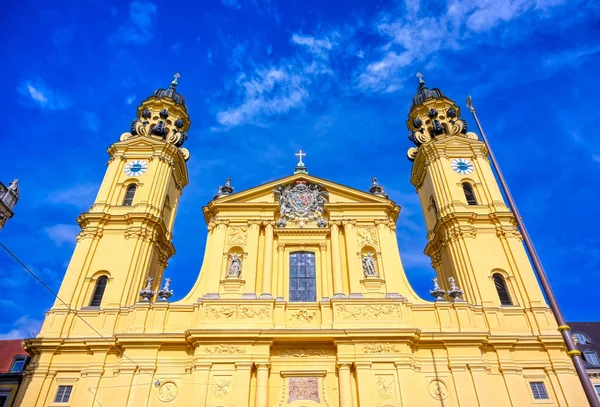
x,y
563,328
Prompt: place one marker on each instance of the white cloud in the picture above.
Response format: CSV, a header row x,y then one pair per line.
x,y
130,99
411,39
39,94
269,92
24,327
81,195
140,29
318,47
61,233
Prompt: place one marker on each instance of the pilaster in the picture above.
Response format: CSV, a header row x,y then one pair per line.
x,y
336,261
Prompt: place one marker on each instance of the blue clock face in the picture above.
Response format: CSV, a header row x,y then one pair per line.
x,y
462,166
135,168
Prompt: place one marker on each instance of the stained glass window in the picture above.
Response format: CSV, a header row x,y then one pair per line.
x,y
303,284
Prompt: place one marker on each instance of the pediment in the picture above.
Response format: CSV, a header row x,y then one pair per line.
x,y
338,194
260,201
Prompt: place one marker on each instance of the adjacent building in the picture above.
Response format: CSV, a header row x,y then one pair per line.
x,y
13,360
587,337
302,299
8,199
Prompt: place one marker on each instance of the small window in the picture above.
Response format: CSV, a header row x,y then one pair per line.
x,y
502,290
63,394
99,291
17,366
597,390
591,357
539,390
469,193
582,339
129,195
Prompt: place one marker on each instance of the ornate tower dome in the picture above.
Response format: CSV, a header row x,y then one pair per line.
x,y
163,115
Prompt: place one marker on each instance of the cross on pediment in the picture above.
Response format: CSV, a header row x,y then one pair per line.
x,y
300,155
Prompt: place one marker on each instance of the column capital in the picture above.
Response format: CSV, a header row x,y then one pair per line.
x,y
262,366
349,222
335,223
252,222
344,366
268,223
382,222
280,247
323,246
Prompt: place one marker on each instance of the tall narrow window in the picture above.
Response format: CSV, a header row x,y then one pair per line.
x,y
539,390
303,284
167,211
469,193
502,290
99,291
63,394
129,195
433,208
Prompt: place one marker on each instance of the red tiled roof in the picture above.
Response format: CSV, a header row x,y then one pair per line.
x,y
8,350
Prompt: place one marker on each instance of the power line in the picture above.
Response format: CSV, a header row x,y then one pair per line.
x,y
72,310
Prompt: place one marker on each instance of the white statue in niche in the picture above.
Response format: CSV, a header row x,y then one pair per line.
x,y
369,265
235,267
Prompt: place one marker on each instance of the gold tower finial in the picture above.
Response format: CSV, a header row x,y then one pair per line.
x,y
175,80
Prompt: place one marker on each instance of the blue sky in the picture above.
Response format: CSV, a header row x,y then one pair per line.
x,y
264,78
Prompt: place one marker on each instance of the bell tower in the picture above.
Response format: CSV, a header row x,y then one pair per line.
x,y
126,235
471,232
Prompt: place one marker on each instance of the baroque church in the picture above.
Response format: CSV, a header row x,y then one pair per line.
x,y
302,299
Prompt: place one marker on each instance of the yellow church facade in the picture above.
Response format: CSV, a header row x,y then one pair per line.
x,y
302,299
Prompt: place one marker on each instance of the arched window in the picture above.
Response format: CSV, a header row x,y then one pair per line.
x,y
469,193
129,195
303,277
99,291
502,290
582,339
433,208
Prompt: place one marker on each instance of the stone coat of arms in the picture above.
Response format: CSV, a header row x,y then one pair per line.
x,y
302,202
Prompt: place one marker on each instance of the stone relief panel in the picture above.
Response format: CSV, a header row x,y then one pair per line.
x,y
438,390
223,312
303,388
380,348
369,311
221,387
366,235
385,386
167,391
301,317
224,349
236,236
301,352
